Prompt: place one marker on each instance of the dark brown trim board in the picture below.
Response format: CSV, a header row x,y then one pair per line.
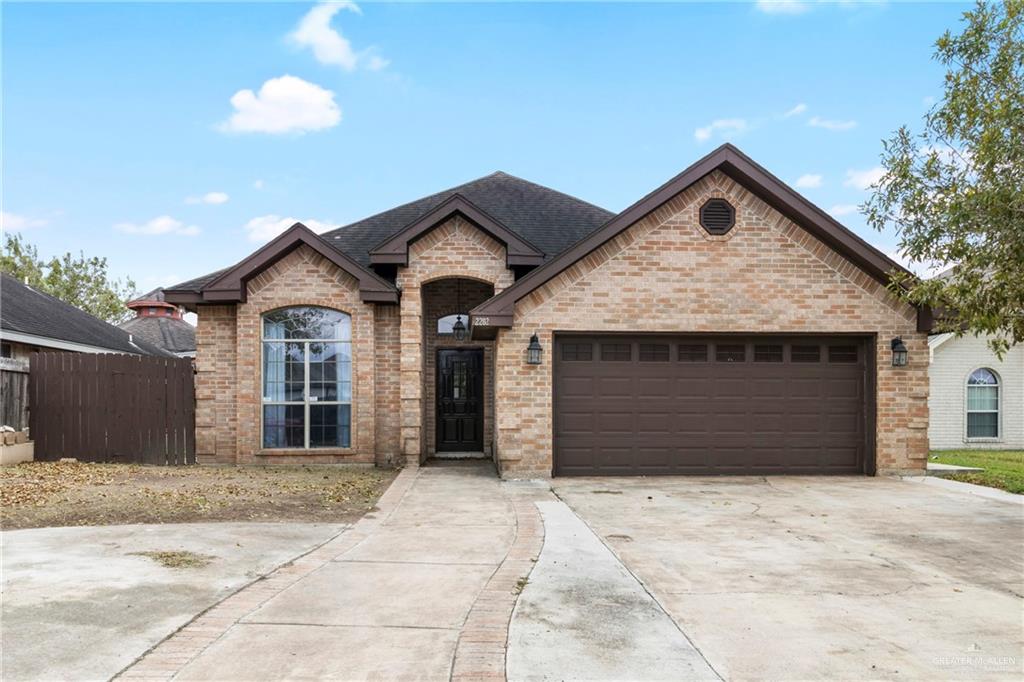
x,y
230,286
497,311
395,249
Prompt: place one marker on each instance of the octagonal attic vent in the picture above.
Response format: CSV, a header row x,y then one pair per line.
x,y
717,216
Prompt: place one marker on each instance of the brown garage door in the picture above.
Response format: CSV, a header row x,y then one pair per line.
x,y
722,405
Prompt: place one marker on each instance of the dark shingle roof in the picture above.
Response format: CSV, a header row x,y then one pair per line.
x,y
198,283
155,295
26,310
171,334
548,219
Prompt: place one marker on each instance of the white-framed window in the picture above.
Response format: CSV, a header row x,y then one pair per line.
x,y
307,378
983,404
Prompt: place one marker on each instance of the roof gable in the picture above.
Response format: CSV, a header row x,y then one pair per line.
x,y
395,249
544,218
736,165
229,286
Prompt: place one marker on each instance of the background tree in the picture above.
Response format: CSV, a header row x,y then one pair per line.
x,y
82,282
955,192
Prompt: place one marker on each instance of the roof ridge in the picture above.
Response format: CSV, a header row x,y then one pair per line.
x,y
454,189
551,189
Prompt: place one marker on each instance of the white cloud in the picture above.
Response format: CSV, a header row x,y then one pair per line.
x,y
328,45
283,105
795,111
839,210
257,184
725,128
809,181
212,198
266,227
375,62
833,125
928,101
783,6
863,179
164,224
13,222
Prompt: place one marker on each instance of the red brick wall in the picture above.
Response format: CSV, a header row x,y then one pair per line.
x,y
229,357
666,274
387,374
216,386
453,249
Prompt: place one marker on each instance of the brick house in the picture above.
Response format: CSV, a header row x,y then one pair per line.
x,y
722,324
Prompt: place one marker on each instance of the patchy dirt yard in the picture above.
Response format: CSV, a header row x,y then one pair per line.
x,y
42,494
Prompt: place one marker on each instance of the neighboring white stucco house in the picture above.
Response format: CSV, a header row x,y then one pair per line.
x,y
975,400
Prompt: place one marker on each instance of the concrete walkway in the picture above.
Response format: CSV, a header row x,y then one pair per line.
x,y
422,589
583,616
81,603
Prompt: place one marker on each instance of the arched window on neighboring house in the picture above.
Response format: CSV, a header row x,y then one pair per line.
x,y
983,404
307,378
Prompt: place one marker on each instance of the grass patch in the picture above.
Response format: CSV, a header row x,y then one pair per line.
x,y
179,559
1003,469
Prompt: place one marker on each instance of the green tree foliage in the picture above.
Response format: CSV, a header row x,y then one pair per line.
x,y
82,282
955,192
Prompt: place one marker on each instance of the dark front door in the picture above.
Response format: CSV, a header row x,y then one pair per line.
x,y
460,405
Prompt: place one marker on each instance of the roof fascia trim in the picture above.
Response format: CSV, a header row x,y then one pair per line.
x,y
740,168
230,286
395,249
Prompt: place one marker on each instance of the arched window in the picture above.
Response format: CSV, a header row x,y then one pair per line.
x,y
983,404
307,378
445,324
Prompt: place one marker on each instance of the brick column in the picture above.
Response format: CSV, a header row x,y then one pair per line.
x,y
411,372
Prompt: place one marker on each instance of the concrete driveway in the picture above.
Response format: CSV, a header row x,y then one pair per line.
x,y
82,603
822,578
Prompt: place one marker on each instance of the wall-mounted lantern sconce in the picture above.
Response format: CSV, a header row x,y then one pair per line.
x,y
533,351
459,329
899,353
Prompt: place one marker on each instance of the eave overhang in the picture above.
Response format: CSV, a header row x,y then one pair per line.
x,y
231,285
497,311
395,249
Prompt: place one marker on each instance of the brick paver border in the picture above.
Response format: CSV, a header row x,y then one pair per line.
x,y
480,651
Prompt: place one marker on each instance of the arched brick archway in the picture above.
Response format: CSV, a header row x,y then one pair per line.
x,y
442,297
454,249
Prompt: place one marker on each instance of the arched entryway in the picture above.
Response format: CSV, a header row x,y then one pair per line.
x,y
458,376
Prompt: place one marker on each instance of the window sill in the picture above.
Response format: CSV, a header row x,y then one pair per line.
x,y
983,440
302,452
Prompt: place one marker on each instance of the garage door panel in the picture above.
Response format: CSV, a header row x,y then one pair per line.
x,y
635,412
614,387
615,423
693,387
576,423
654,387
573,386
654,423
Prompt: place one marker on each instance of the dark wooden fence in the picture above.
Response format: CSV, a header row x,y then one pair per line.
x,y
14,393
112,408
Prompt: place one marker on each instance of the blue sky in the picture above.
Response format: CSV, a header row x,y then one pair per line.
x,y
176,138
